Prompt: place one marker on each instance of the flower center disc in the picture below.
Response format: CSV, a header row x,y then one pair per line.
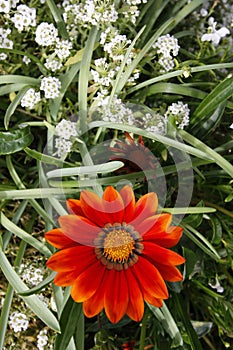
x,y
117,246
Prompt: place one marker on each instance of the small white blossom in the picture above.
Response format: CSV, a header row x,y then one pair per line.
x,y
214,34
63,146
42,339
5,42
26,60
181,113
231,126
18,321
166,47
217,286
66,129
24,18
30,98
31,275
62,48
51,87
52,64
46,34
5,6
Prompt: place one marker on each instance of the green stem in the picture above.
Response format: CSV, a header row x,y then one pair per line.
x,y
143,331
84,77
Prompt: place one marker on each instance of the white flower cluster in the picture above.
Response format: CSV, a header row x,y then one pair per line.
x,y
65,129
47,35
132,11
31,275
42,339
5,43
51,87
180,111
24,17
18,321
103,74
166,47
90,12
30,98
5,6
153,122
214,35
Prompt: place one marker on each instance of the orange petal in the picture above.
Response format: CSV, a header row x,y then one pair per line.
x,y
66,278
56,238
74,207
145,207
87,282
154,224
169,273
116,295
167,239
153,301
149,279
161,255
78,228
128,198
95,304
75,258
114,205
135,309
93,208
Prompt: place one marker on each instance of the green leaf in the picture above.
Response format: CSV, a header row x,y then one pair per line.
x,y
211,102
191,259
13,105
15,141
33,302
217,230
19,79
194,341
68,323
45,158
9,225
39,286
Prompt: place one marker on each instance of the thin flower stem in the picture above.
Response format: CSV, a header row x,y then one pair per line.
x,y
143,331
84,77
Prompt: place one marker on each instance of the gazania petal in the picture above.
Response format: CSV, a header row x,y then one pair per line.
x,y
116,295
153,301
57,238
169,273
150,279
145,207
87,282
153,225
95,304
128,198
135,307
74,206
165,239
114,205
93,208
78,258
162,255
78,228
65,278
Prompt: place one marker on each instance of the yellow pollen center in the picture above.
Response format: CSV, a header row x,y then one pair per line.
x,y
118,246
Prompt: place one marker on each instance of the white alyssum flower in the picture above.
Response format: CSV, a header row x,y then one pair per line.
x,y
62,48
52,64
30,98
153,122
63,146
18,321
51,87
214,34
116,46
231,126
5,42
66,129
26,60
166,47
24,17
42,339
31,275
46,34
5,6
180,112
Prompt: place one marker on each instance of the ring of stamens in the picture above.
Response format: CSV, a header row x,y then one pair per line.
x,y
117,246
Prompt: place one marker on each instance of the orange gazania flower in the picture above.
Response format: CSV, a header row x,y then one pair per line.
x,y
114,253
